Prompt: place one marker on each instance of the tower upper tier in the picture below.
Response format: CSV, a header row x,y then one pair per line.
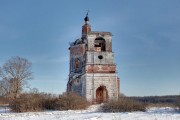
x,y
86,28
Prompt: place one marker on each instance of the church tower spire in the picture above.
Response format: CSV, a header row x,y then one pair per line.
x,y
86,28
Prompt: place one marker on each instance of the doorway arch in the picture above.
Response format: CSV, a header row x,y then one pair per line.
x,y
101,94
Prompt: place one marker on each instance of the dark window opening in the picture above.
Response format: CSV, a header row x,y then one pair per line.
x,y
76,63
100,44
100,57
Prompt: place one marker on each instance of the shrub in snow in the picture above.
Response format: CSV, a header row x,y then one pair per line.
x,y
38,102
123,104
4,100
70,101
27,102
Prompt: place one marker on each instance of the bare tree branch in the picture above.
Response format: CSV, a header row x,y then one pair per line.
x,y
14,74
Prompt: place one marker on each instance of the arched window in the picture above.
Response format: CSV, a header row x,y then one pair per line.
x,y
100,44
76,63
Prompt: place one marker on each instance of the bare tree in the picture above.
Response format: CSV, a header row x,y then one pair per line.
x,y
4,87
14,75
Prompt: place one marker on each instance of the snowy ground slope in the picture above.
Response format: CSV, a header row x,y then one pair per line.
x,y
93,114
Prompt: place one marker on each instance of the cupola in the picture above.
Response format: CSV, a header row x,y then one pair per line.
x,y
86,28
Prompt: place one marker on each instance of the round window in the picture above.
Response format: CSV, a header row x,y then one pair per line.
x,y
100,57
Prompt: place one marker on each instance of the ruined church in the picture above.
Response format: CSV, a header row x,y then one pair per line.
x,y
92,71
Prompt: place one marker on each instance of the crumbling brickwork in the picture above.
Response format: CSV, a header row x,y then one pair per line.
x,y
92,69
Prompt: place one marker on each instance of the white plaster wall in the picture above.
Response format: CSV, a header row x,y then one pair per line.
x,y
108,40
96,80
92,57
83,78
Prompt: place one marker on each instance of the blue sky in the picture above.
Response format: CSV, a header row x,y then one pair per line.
x,y
146,40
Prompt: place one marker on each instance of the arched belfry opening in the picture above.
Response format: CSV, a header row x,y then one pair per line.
x,y
101,94
100,44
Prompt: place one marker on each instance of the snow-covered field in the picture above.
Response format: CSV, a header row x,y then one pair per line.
x,y
92,113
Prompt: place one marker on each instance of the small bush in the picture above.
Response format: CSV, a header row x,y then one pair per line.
x,y
123,104
49,103
70,101
40,102
4,101
27,103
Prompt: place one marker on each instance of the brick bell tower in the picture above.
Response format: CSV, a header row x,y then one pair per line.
x,y
92,70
